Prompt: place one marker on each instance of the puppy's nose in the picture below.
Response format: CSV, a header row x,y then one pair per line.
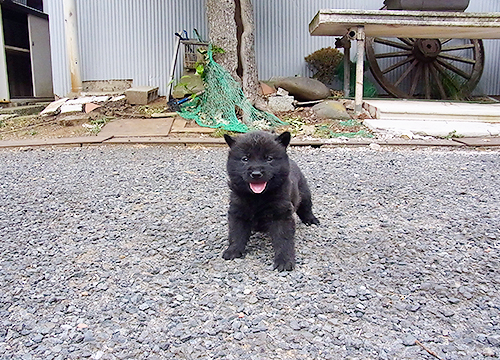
x,y
256,174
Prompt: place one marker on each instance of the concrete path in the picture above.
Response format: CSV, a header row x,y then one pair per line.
x,y
434,118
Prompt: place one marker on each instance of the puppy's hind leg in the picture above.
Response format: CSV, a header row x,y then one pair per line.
x,y
282,233
304,211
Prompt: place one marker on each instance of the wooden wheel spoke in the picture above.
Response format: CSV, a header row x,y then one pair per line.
x,y
458,47
406,72
446,75
438,81
427,81
407,41
457,58
393,54
398,64
392,43
454,69
415,80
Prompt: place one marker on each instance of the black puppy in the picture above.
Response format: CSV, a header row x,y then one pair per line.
x,y
266,189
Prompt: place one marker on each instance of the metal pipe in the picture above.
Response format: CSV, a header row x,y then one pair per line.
x,y
72,48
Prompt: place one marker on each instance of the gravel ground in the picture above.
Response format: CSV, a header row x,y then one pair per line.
x,y
115,253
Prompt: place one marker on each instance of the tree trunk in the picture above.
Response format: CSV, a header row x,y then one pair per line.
x,y
222,33
231,27
250,78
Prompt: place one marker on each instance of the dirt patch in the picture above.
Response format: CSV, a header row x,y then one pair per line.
x,y
301,122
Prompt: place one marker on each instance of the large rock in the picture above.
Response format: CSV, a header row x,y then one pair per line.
x,y
302,88
331,109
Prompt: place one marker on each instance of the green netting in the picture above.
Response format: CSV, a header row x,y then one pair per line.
x,y
222,102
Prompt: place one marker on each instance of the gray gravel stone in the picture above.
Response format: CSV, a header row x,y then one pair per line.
x,y
127,241
409,340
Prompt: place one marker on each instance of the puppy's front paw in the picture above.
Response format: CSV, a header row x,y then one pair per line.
x,y
283,264
310,220
232,253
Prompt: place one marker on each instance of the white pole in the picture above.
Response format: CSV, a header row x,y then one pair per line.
x,y
360,37
172,67
71,32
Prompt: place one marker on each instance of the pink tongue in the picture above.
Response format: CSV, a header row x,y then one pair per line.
x,y
258,187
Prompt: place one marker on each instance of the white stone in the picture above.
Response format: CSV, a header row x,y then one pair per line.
x,y
118,98
280,103
54,107
71,108
282,92
80,100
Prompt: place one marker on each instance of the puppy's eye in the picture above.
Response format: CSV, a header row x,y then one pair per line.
x,y
269,158
244,158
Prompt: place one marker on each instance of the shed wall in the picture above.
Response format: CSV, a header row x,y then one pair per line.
x,y
134,39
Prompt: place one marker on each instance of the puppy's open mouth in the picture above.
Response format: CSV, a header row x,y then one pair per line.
x,y
257,188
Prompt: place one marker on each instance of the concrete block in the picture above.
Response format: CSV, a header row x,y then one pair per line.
x,y
141,95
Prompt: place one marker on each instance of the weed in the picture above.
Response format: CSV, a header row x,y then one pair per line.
x,y
324,63
147,110
219,132
453,135
96,125
324,131
295,124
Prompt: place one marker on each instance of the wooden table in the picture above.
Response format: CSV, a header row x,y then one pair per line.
x,y
357,24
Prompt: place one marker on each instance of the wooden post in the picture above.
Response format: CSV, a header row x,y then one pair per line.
x,y
360,40
347,69
71,32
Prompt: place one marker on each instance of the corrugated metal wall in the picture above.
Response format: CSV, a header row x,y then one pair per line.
x,y
122,39
490,81
282,36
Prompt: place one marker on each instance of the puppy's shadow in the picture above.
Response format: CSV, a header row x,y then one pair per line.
x,y
258,244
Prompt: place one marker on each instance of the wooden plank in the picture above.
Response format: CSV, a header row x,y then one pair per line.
x,y
414,24
473,141
85,140
138,127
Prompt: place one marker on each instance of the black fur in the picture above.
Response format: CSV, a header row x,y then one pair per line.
x,y
260,158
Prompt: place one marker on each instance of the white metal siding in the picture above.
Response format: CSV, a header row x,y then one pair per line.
x,y
134,39
282,33
123,39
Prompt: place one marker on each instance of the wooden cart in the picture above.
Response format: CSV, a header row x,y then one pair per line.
x,y
423,53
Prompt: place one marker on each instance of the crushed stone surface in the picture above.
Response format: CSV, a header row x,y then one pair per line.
x,y
114,252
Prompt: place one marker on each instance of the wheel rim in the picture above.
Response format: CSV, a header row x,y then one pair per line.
x,y
426,68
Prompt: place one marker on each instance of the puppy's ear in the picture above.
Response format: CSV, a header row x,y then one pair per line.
x,y
284,139
229,140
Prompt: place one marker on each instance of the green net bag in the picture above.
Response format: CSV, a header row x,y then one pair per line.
x,y
223,104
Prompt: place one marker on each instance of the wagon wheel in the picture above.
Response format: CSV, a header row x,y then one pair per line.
x,y
426,68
